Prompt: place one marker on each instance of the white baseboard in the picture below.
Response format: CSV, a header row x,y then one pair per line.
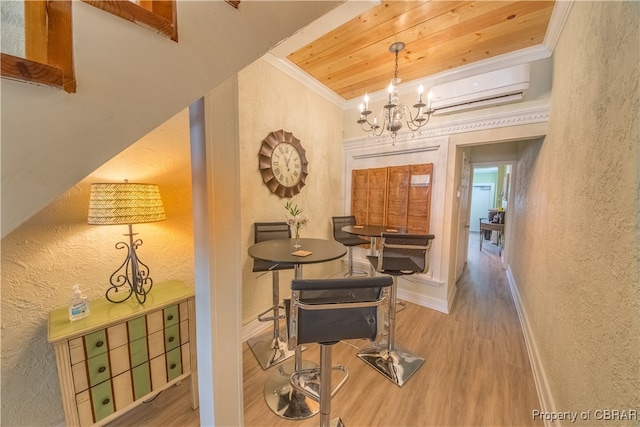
x,y
424,300
254,327
451,296
539,376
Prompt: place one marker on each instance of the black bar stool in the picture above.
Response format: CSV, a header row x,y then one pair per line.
x,y
349,240
272,349
399,255
325,312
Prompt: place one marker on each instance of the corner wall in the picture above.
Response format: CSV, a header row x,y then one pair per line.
x,y
576,262
271,100
44,257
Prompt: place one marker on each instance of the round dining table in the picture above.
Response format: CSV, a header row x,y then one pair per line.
x,y
280,396
311,251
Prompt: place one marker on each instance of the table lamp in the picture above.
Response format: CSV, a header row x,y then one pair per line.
x,y
127,203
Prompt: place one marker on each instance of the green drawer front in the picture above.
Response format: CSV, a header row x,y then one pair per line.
x,y
171,316
137,328
98,367
95,343
141,381
172,337
102,400
138,352
174,364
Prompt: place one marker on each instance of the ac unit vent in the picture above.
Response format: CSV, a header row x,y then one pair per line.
x,y
488,89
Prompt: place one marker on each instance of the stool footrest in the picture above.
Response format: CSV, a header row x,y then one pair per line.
x,y
307,381
262,318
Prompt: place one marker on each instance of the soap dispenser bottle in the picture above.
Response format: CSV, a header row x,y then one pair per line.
x,y
79,306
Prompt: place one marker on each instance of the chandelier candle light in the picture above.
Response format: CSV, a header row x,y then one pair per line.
x,y
127,203
394,113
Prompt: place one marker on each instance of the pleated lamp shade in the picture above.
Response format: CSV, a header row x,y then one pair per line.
x,y
125,203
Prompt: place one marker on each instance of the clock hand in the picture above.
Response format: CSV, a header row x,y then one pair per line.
x,y
287,162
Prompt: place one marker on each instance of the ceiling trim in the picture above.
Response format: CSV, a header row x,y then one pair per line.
x,y
297,74
340,15
558,18
535,112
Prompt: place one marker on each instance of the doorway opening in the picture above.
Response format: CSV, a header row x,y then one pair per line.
x,y
487,199
488,204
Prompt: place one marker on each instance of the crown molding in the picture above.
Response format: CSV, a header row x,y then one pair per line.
x,y
302,77
556,23
340,15
527,115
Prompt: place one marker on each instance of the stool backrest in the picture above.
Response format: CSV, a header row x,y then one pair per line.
x,y
269,231
415,247
338,223
329,310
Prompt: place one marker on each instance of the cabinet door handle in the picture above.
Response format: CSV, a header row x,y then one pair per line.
x,y
171,339
99,343
106,401
101,369
170,317
173,366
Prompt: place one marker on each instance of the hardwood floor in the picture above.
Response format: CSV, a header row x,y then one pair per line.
x,y
476,370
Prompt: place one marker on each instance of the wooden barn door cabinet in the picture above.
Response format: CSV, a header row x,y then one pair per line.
x,y
394,196
122,354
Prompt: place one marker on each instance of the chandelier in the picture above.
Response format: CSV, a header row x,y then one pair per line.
x,y
394,113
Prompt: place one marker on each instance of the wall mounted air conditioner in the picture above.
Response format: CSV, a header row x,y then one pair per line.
x,y
488,89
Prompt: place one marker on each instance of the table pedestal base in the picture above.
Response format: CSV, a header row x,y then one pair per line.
x,y
396,365
281,397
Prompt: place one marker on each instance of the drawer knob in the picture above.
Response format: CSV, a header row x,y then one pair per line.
x,y
101,369
106,401
173,366
171,339
170,317
100,343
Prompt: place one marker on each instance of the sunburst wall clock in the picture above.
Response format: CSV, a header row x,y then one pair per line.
x,y
283,163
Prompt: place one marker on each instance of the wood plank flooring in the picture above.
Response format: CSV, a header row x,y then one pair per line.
x,y
476,370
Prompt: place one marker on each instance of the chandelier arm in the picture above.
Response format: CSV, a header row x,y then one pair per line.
x,y
377,127
413,123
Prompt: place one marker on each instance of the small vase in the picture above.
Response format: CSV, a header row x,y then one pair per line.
x,y
297,236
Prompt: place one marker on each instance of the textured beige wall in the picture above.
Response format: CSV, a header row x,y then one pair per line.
x,y
43,258
271,101
576,259
55,249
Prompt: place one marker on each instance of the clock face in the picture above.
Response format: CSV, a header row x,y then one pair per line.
x,y
286,164
283,163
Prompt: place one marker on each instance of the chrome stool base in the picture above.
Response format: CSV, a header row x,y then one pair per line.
x,y
396,365
336,422
283,399
268,350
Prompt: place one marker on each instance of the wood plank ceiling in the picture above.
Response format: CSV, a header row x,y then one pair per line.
x,y
439,35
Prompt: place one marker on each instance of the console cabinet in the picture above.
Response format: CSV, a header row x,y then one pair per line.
x,y
122,354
